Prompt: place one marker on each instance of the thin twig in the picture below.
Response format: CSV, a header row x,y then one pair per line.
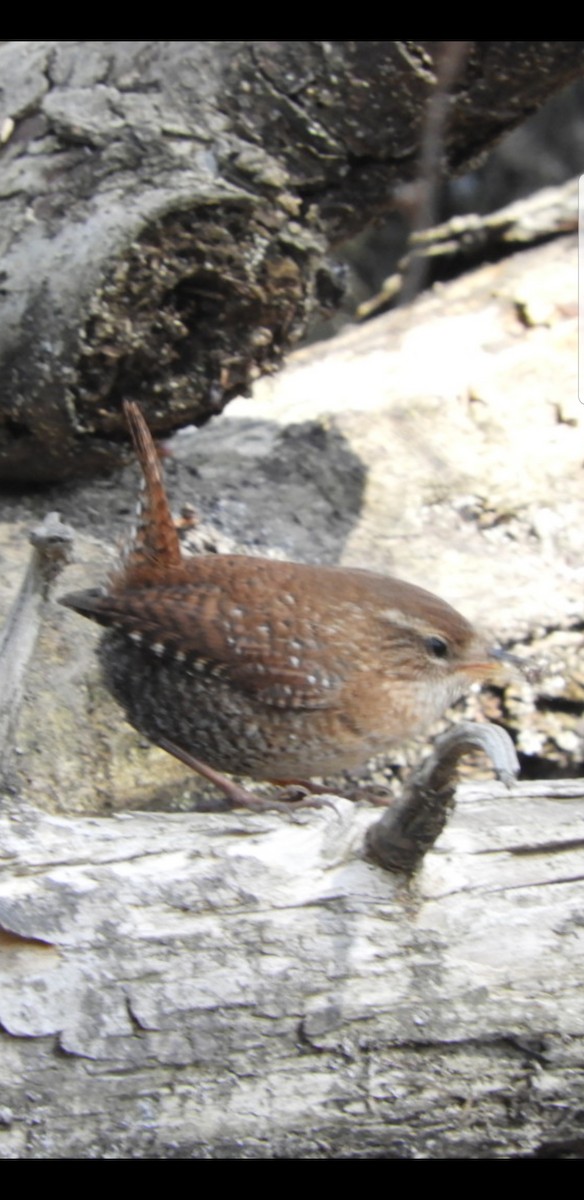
x,y
450,62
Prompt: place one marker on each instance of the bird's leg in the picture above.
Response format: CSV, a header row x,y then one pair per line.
x,y
238,795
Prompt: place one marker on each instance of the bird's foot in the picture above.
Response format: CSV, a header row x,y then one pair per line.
x,y
288,799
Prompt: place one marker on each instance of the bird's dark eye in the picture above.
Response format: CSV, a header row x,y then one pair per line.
x,y
436,646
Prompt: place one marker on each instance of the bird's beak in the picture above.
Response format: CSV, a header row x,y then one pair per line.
x,y
531,670
492,662
504,656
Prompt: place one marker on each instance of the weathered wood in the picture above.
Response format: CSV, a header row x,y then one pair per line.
x,y
165,211
466,240
250,985
52,548
410,826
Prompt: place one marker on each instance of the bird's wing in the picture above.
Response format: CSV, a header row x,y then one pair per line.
x,y
275,656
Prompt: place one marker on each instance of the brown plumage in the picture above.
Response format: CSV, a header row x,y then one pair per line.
x,y
275,670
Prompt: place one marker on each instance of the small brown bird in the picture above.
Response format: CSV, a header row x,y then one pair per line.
x,y
274,670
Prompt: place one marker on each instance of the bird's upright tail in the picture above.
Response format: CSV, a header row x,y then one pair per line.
x,y
153,550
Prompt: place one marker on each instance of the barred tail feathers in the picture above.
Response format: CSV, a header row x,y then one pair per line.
x,y
153,549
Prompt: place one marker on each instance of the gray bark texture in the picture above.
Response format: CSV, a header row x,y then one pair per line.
x,y
165,211
250,986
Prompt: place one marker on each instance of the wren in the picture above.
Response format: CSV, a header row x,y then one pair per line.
x,y
274,670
